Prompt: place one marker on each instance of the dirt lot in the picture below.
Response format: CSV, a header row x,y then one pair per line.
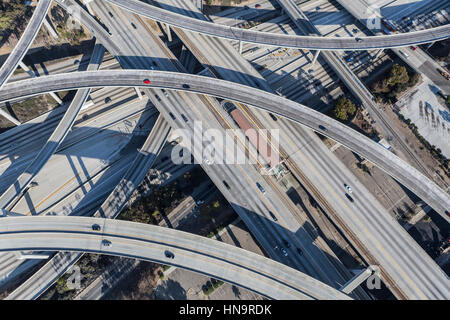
x,y
29,109
221,5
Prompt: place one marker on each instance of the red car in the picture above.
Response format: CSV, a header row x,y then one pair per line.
x,y
146,81
413,48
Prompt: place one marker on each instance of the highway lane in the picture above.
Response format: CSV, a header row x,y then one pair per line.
x,y
417,59
147,242
147,47
19,147
318,164
26,290
225,62
111,207
19,51
251,203
384,159
85,172
280,40
59,134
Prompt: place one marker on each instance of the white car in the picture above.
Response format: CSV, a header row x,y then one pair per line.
x,y
349,190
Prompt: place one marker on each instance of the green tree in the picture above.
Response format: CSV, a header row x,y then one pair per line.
x,y
399,75
343,108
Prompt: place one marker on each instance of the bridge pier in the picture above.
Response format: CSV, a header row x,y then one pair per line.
x,y
359,278
50,28
169,33
240,46
86,3
9,117
377,54
25,68
22,256
316,55
430,45
138,92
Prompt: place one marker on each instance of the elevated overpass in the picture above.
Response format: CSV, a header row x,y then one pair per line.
x,y
148,242
55,139
283,40
40,281
411,178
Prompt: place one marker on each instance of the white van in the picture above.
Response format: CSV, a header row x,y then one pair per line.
x,y
404,53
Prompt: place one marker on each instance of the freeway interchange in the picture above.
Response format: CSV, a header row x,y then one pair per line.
x,y
175,81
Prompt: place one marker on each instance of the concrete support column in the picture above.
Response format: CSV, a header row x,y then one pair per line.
x,y
6,213
57,99
359,278
430,45
169,33
50,28
26,69
316,55
33,256
138,92
377,54
86,3
9,117
240,46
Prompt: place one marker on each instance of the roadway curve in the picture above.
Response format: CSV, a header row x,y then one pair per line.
x,y
55,140
25,41
148,242
283,40
411,178
40,281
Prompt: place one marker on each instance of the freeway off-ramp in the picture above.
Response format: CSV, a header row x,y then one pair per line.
x,y
282,40
411,178
148,242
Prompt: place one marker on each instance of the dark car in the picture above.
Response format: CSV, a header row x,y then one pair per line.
x,y
257,6
186,86
95,227
300,252
172,116
321,127
106,243
169,254
226,184
349,197
273,117
133,25
260,187
358,39
286,243
184,118
273,216
107,100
